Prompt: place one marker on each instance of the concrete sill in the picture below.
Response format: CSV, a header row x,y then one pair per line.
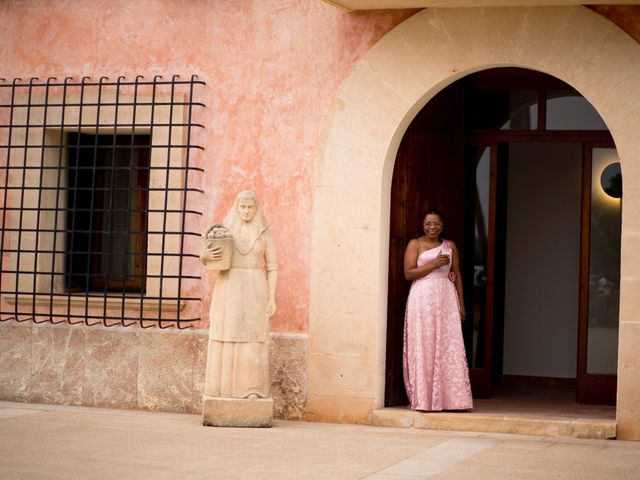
x,y
81,301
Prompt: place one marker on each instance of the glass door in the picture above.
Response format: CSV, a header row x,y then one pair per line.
x,y
600,275
484,270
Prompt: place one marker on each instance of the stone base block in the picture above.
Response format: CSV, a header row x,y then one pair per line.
x,y
237,412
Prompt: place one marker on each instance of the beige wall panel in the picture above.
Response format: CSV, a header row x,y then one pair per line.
x,y
350,300
629,382
348,209
335,374
341,409
357,246
630,273
358,339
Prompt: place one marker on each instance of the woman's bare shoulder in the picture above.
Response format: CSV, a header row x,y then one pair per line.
x,y
414,242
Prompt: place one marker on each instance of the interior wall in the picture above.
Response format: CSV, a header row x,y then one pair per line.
x,y
543,259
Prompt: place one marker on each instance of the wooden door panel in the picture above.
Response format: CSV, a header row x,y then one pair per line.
x,y
429,173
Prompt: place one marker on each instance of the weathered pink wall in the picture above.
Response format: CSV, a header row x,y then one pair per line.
x,y
272,68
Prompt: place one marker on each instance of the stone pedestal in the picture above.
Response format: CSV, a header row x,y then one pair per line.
x,y
237,412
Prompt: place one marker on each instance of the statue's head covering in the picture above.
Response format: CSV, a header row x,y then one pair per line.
x,y
256,227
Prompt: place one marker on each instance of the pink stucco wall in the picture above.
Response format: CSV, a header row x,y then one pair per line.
x,y
272,68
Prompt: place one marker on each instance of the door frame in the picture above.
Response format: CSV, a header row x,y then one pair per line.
x,y
590,388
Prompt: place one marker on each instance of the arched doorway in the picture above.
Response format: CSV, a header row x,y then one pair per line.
x,y
374,106
514,158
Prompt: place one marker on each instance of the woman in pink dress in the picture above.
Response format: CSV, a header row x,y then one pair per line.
x,y
436,375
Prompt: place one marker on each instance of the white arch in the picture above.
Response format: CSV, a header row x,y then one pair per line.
x,y
352,176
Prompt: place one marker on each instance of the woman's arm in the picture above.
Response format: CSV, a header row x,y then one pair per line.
x,y
411,270
455,267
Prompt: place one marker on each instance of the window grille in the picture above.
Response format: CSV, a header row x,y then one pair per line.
x,y
97,183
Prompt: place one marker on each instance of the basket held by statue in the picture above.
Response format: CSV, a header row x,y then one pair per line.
x,y
218,236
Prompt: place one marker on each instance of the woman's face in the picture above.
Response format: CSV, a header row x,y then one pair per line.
x,y
432,225
246,209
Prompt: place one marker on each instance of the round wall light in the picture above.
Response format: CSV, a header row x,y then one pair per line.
x,y
611,180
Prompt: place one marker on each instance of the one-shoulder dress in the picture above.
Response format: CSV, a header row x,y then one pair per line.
x,y
436,375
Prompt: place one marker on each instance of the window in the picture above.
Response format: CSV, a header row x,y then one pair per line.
x,y
522,100
107,199
97,182
568,110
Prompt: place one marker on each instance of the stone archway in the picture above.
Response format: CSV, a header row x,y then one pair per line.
x,y
372,110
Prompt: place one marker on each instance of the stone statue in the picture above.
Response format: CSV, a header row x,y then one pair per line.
x,y
237,383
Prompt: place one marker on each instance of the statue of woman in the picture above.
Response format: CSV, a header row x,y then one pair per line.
x,y
243,301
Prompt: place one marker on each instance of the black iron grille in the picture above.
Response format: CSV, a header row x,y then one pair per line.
x,y
97,180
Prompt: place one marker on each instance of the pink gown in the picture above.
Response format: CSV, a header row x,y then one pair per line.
x,y
436,376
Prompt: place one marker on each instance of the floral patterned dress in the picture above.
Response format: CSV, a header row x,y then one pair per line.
x,y
436,375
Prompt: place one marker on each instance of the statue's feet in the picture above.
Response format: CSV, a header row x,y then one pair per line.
x,y
252,396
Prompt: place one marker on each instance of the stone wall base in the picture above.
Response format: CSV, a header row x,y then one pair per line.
x,y
131,368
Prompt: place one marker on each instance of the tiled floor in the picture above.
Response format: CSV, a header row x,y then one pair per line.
x,y
552,402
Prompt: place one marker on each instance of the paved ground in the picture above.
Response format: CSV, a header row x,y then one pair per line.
x,y
57,442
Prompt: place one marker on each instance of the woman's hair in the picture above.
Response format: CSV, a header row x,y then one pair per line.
x,y
431,211
434,211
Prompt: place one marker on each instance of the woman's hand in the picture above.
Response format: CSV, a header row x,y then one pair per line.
x,y
440,261
463,313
